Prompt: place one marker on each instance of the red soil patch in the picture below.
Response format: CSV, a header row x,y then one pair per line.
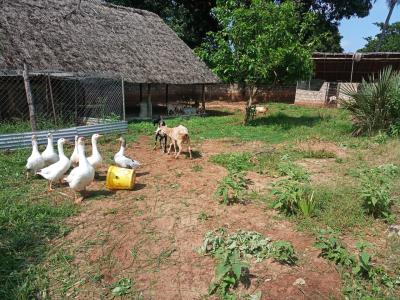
x,y
150,234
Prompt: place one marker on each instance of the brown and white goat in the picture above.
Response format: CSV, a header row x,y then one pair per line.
x,y
261,110
178,135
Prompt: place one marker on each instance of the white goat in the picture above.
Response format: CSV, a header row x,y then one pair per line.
x,y
261,110
178,136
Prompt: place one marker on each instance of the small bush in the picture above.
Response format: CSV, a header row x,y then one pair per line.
x,y
293,197
234,162
376,190
293,171
231,189
283,252
376,104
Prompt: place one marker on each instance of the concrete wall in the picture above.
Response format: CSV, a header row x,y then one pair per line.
x,y
311,97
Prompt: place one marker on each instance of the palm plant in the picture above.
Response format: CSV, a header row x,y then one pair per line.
x,y
391,4
375,105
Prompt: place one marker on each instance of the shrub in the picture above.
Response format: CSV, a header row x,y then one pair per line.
x,y
293,171
292,197
231,188
376,104
376,188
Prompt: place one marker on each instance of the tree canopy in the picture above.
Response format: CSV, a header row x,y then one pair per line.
x,y
390,43
192,19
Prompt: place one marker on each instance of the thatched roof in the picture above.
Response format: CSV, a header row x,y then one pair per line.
x,y
100,38
352,66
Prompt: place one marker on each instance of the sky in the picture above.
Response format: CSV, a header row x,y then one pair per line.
x,y
355,29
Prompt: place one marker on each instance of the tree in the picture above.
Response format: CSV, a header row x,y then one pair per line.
x,y
391,4
190,19
391,43
260,42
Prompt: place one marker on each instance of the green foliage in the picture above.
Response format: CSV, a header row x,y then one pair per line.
x,y
332,249
234,162
293,197
232,188
122,287
375,190
283,252
203,216
359,272
250,244
228,274
260,43
293,171
318,154
28,219
376,104
391,42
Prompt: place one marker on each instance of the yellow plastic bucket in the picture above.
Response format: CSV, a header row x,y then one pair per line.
x,y
120,178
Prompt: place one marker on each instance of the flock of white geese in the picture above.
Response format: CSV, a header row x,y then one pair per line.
x,y
53,166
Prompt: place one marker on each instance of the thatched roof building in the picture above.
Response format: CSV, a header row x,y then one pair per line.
x,y
99,38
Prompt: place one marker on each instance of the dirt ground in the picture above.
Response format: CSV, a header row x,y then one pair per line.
x,y
151,234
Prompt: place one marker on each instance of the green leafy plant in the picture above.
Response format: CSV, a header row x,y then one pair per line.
x,y
293,171
228,274
122,287
293,197
234,162
231,189
375,104
283,252
203,216
332,249
376,190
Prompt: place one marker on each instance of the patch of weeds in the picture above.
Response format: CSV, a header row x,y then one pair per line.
x,y
363,279
203,216
293,197
138,212
122,287
174,186
234,162
232,188
318,154
339,160
197,168
376,190
228,274
134,252
293,171
230,250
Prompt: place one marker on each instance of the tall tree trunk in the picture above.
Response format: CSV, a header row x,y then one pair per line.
x,y
29,98
385,26
252,93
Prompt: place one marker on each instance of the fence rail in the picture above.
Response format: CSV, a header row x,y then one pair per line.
x,y
23,140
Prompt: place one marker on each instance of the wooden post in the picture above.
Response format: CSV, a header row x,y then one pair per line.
x,y
29,99
52,100
123,99
203,97
75,102
140,92
149,104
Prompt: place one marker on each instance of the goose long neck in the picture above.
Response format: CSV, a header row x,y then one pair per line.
x,y
35,147
49,142
82,157
94,146
60,149
122,148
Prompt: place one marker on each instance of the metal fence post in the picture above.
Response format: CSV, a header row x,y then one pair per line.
x,y
29,99
123,99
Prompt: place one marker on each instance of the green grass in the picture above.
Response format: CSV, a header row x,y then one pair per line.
x,y
28,219
283,123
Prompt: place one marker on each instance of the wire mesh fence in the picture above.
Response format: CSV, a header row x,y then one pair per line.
x,y
59,100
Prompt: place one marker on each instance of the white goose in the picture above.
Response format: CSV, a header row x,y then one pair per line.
x,y
81,176
35,161
95,159
123,161
56,171
75,157
49,155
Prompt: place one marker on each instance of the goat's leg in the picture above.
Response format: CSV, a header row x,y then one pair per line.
x,y
189,149
155,142
165,138
180,148
170,146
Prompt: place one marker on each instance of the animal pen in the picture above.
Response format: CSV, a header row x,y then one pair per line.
x,y
128,64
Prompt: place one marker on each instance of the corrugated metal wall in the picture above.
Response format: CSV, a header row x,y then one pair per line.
x,y
23,140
